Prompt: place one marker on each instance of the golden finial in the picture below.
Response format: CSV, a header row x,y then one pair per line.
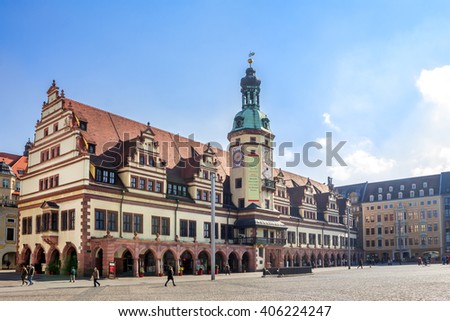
x,y
250,60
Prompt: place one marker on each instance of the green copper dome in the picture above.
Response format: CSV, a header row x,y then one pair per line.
x,y
250,117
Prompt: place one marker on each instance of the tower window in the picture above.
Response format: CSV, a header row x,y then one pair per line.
x,y
238,183
241,203
252,139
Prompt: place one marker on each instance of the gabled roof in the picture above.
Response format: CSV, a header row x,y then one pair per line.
x,y
106,130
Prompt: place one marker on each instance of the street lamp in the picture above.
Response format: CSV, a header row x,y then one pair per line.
x,y
348,238
213,226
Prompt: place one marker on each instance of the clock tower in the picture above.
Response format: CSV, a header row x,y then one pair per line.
x,y
250,149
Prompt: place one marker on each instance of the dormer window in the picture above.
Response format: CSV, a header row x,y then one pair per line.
x,y
425,184
391,189
402,187
413,186
380,190
91,148
83,125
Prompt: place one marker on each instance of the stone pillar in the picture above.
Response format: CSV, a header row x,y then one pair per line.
x,y
136,266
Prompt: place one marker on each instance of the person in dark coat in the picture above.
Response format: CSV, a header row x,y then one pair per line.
x,y
170,276
30,274
96,276
23,275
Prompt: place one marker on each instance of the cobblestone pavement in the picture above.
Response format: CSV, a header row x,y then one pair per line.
x,y
379,283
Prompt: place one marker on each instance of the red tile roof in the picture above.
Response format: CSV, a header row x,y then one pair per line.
x,y
106,129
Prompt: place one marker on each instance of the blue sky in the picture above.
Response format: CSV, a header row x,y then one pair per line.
x,y
375,74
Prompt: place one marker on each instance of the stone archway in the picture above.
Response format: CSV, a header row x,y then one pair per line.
x,y
305,260
326,260
246,267
99,261
313,260
149,263
54,263
273,260
187,262
40,262
319,260
127,263
169,259
26,257
233,262
9,260
70,260
220,261
297,261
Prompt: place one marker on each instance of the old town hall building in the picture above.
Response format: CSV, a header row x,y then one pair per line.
x,y
103,190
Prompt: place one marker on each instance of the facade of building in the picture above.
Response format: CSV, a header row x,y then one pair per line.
x,y
103,190
12,167
404,219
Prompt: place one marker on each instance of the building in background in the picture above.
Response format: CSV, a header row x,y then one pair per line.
x,y
103,190
12,168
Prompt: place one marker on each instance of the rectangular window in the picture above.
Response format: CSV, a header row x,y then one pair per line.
x,y
150,185
183,228
112,221
54,221
45,222
165,226
38,224
158,187
241,203
10,234
64,221
142,183
127,222
160,225
192,229
100,219
71,219
238,183
155,225
138,223
206,230
133,181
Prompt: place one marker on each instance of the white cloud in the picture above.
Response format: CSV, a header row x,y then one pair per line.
x,y
327,121
362,166
434,86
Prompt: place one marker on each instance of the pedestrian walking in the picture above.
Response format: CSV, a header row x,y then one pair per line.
x,y
96,276
73,273
23,275
360,263
8,264
227,270
30,274
170,276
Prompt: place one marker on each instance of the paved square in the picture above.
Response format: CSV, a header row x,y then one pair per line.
x,y
379,283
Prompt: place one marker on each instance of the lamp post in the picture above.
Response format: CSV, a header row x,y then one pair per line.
x,y
348,238
213,226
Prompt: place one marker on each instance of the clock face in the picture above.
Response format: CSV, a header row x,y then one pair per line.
x,y
237,158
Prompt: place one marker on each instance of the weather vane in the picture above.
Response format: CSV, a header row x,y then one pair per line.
x,y
250,55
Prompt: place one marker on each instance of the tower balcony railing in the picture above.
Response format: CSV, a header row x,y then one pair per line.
x,y
8,202
259,240
269,183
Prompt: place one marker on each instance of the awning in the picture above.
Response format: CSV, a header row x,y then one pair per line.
x,y
256,222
